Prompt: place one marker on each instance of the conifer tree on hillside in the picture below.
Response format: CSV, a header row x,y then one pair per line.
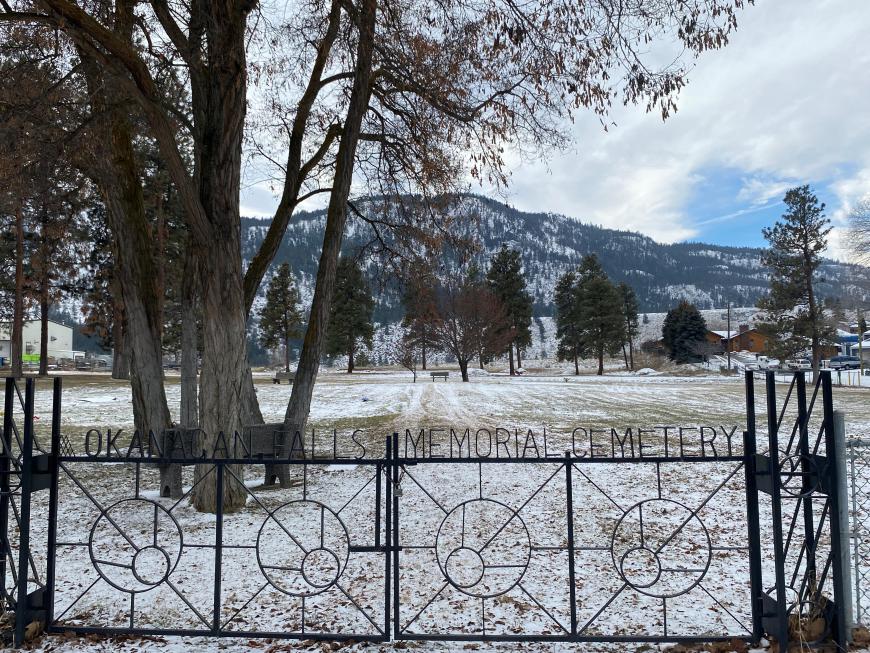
x,y
505,280
564,300
684,332
350,315
630,318
280,319
794,316
420,314
599,311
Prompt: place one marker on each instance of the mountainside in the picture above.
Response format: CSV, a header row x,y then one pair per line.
x,y
707,275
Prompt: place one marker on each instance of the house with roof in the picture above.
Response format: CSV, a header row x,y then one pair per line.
x,y
745,338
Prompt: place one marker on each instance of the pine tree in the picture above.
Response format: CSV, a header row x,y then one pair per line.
x,y
629,316
420,314
505,280
280,319
565,301
794,314
599,312
350,316
684,332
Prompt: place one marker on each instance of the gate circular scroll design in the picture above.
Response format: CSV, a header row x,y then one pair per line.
x,y
661,548
796,467
303,548
483,548
135,545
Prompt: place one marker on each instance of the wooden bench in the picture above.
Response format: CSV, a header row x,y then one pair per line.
x,y
439,375
283,376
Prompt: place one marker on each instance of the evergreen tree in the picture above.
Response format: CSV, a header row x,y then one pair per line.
x,y
280,319
794,314
350,315
629,316
599,312
684,332
565,302
505,280
420,314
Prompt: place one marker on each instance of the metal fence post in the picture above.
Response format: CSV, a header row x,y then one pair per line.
x,y
843,509
54,462
21,612
833,473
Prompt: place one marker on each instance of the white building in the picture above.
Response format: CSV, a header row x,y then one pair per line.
x,y
863,350
60,340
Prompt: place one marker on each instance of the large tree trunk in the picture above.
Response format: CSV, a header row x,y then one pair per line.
x,y
350,356
224,384
120,184
576,366
625,355
511,358
336,216
189,413
463,369
600,362
630,355
120,352
519,358
17,335
43,327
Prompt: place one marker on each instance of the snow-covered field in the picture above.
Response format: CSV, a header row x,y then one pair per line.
x,y
508,562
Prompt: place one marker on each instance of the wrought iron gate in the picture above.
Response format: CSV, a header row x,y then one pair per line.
x,y
651,545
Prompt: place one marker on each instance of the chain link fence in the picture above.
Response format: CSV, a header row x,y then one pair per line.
x,y
858,456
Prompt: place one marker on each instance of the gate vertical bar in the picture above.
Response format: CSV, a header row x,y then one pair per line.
x,y
833,471
776,510
395,543
388,535
6,471
218,547
54,464
569,497
806,484
378,471
24,525
753,521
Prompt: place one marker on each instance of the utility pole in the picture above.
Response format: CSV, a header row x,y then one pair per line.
x,y
728,339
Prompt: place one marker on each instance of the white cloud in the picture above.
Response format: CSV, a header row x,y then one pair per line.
x,y
784,102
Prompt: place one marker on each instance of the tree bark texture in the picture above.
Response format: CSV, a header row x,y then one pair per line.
x,y
336,216
224,384
120,354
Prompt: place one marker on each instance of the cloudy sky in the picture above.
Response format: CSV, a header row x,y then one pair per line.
x,y
787,102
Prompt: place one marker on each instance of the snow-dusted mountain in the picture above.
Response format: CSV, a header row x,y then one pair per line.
x,y
708,275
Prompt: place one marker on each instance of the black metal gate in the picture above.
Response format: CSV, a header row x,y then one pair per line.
x,y
641,543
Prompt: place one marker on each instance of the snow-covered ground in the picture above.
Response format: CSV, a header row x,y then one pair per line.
x,y
523,581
